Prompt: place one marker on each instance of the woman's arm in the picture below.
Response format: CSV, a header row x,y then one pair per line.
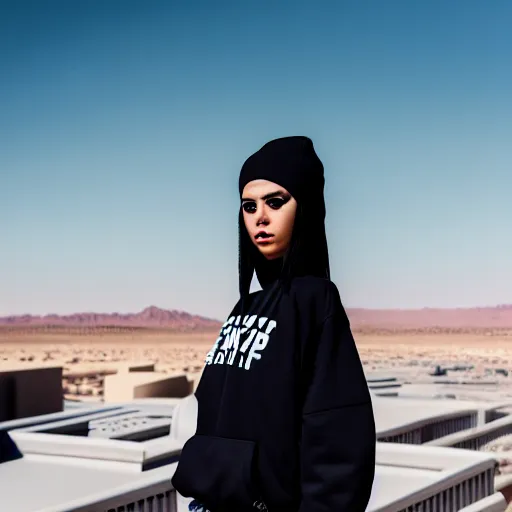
x,y
338,428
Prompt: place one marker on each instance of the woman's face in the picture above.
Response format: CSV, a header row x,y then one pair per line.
x,y
269,214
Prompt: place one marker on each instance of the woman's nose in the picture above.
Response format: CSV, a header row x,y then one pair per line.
x,y
262,218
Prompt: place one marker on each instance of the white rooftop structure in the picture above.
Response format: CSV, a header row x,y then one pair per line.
x,y
410,477
122,457
419,421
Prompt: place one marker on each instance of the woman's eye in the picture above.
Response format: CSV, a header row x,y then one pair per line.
x,y
249,207
276,203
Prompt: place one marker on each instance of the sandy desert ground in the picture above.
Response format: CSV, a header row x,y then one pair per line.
x,y
88,354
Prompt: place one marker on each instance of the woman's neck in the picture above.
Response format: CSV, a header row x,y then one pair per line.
x,y
269,272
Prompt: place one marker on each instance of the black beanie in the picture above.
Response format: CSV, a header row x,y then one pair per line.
x,y
290,162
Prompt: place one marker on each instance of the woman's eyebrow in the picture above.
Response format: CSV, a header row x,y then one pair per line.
x,y
266,196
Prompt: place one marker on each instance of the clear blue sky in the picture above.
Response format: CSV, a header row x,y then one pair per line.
x,y
123,126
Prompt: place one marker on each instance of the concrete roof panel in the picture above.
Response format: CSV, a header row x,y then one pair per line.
x,y
52,483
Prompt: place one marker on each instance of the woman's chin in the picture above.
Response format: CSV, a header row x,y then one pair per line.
x,y
271,254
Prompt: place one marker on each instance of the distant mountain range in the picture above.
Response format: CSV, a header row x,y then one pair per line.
x,y
149,317
498,317
495,317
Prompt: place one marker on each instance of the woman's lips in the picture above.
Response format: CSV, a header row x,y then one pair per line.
x,y
263,237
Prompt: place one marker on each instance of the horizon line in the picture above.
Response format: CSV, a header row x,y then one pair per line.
x,y
181,311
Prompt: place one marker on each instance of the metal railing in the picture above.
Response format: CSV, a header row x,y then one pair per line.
x,y
493,503
476,438
433,429
459,496
459,478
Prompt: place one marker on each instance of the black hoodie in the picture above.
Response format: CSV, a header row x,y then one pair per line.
x,y
285,420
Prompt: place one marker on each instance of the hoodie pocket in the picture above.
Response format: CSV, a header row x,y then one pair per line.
x,y
218,472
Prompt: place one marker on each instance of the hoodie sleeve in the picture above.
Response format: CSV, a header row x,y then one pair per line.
x,y
338,428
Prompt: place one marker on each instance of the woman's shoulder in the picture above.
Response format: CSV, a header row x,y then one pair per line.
x,y
313,284
318,293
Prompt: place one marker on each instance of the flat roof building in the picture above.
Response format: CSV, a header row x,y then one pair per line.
x,y
100,458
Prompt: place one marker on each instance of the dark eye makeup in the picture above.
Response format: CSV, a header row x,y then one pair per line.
x,y
249,206
274,202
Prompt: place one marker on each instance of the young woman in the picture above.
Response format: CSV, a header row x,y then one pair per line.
x,y
285,421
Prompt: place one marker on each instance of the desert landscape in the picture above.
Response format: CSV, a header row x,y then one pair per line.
x,y
89,346
469,351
